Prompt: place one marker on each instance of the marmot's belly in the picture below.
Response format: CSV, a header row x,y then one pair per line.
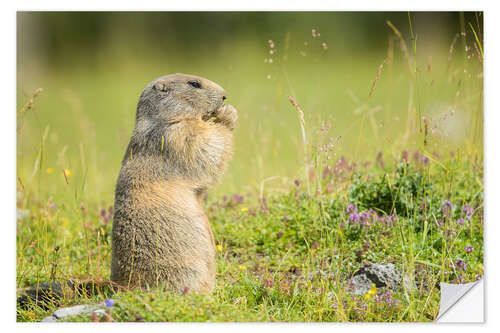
x,y
158,242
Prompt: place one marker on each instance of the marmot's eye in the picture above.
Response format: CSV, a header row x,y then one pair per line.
x,y
194,84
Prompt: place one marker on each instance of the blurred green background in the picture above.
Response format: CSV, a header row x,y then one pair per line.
x,y
93,66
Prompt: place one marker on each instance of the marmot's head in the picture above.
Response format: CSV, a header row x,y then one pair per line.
x,y
179,96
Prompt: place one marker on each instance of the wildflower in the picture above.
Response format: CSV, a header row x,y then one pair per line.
x,y
244,209
67,173
354,217
468,210
364,217
461,265
286,218
296,182
334,306
219,247
460,221
325,47
468,249
49,170
405,156
109,302
386,298
242,267
315,245
426,160
237,199
350,208
446,208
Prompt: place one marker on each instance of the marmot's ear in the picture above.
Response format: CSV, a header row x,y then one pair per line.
x,y
160,85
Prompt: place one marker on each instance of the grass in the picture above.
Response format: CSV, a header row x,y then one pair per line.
x,y
368,184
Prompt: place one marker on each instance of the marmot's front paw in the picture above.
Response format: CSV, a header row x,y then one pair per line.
x,y
227,115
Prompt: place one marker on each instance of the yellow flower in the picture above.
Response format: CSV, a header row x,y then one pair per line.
x,y
371,292
219,248
67,173
244,209
242,267
49,170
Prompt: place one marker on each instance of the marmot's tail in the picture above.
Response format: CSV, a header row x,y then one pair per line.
x,y
45,295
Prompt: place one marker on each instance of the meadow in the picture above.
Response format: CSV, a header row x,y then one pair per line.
x,y
342,158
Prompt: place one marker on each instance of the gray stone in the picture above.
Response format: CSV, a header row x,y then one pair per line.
x,y
100,312
49,319
381,275
74,311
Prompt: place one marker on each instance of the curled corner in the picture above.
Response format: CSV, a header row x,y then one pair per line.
x,y
462,303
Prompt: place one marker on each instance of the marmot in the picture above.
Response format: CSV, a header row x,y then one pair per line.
x,y
182,141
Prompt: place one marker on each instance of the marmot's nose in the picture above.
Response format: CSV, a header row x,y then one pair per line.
x,y
224,97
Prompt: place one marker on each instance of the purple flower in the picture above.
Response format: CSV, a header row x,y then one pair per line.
x,y
446,207
390,219
296,182
468,210
103,212
364,217
237,199
107,217
426,160
460,221
109,302
351,208
461,265
468,249
387,299
334,306
354,217
440,222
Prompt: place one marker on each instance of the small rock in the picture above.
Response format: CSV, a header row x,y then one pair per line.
x,y
379,274
49,319
73,311
99,312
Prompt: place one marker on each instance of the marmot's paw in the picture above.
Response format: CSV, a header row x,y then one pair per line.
x,y
227,115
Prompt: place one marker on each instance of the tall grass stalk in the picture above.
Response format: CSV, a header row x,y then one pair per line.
x,y
304,139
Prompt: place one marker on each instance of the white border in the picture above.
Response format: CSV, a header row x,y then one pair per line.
x,y
8,137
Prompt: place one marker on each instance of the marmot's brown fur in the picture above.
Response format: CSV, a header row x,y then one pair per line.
x,y
180,146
